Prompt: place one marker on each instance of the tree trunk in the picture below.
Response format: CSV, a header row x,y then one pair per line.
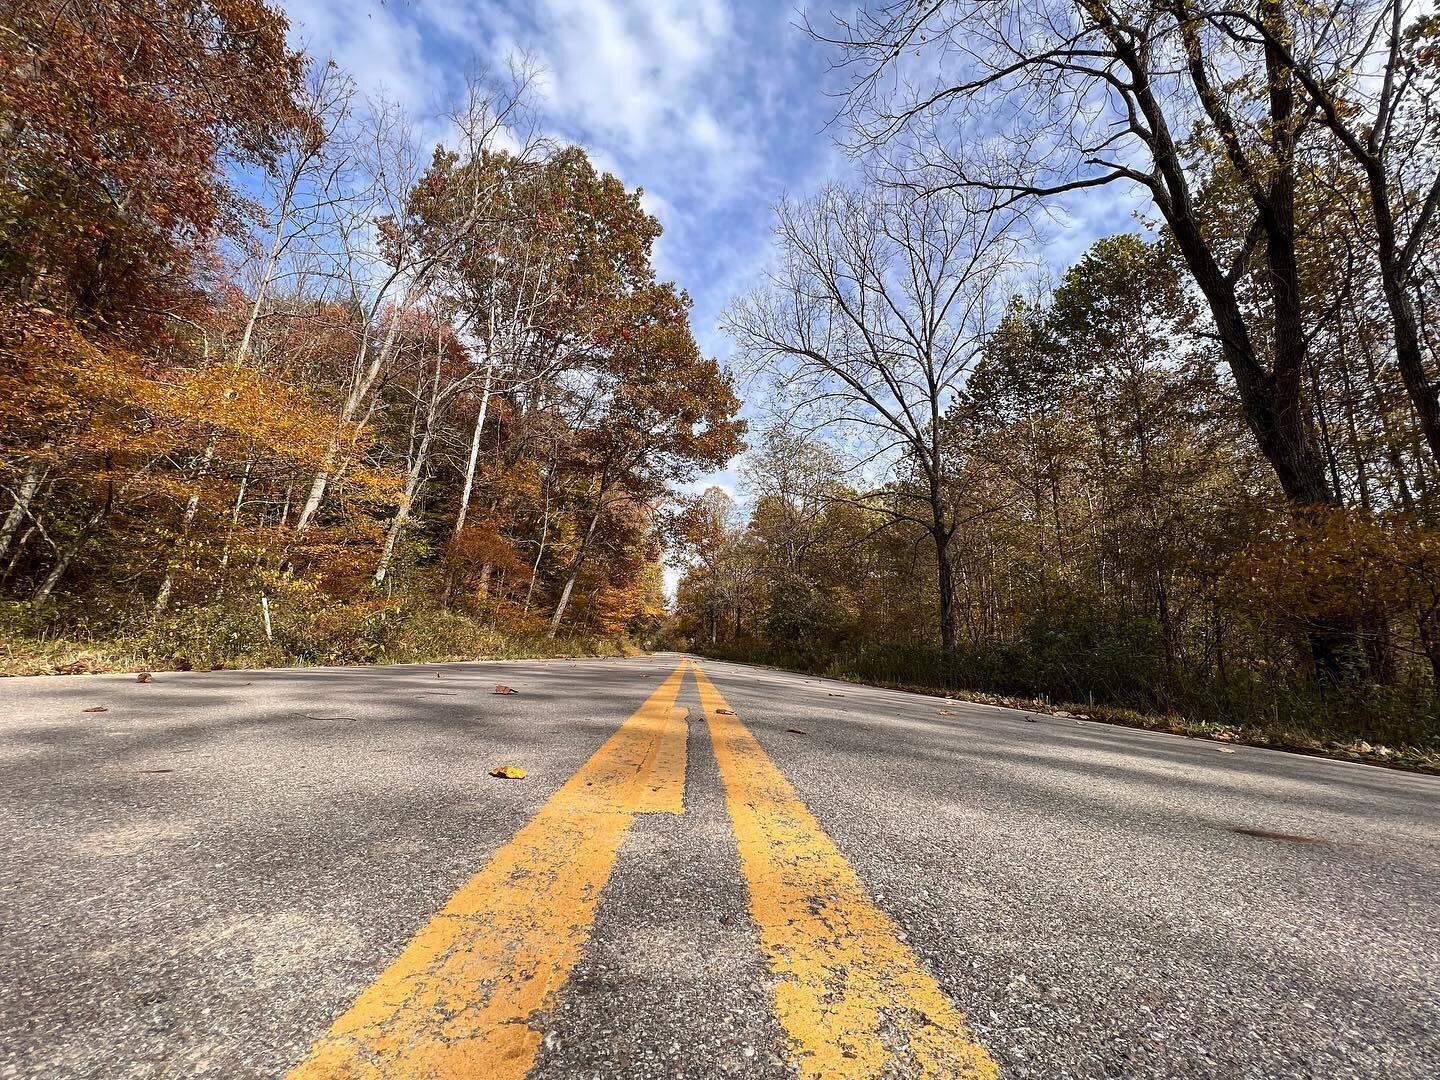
x,y
359,393
474,454
24,497
192,506
945,580
402,514
576,564
1409,358
46,589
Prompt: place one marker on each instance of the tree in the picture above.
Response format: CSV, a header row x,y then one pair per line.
x,y
658,411
117,124
880,305
1087,94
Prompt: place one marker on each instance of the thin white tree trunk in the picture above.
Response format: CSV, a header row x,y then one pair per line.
x,y
575,566
474,452
24,497
402,515
359,393
192,505
46,588
540,551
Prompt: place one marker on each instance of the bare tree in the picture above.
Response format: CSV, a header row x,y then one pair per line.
x,y
307,182
1035,99
393,270
871,322
1030,100
1366,71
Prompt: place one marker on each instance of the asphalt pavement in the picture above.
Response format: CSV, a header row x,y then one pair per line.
x,y
204,877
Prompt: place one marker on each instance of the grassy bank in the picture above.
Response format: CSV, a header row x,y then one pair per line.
x,y
313,632
1390,726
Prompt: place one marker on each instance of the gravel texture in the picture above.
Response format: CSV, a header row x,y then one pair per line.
x,y
197,880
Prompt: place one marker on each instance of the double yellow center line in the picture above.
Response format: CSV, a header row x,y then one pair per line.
x,y
469,995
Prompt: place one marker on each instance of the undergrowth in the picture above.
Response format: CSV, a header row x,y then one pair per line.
x,y
1377,724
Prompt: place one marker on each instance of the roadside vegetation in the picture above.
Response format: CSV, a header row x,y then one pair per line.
x,y
1193,481
283,381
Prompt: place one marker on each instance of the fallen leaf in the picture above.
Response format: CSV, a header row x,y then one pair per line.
x,y
508,772
796,731
1224,750
96,708
1031,720
837,695
144,676
946,712
350,718
156,770
726,712
500,688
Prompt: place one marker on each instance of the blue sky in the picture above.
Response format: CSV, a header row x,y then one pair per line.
x,y
715,107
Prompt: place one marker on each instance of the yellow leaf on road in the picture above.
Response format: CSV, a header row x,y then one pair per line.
x,y
509,772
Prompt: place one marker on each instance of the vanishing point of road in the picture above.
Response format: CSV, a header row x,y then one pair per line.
x,y
708,870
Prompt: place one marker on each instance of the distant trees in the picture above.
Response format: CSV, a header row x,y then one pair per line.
x,y
878,310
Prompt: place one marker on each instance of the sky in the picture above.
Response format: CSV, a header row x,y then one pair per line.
x,y
716,108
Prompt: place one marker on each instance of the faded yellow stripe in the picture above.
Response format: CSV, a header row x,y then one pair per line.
x,y
853,999
459,1001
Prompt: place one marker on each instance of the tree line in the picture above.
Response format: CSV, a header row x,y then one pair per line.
x,y
1196,472
261,337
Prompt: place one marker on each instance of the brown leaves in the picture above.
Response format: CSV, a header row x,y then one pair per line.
x,y
144,676
501,688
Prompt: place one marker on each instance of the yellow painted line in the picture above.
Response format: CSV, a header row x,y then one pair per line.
x,y
853,999
459,1001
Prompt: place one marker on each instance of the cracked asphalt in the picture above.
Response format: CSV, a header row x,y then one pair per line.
x,y
199,879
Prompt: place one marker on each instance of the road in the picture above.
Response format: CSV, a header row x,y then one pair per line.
x,y
742,873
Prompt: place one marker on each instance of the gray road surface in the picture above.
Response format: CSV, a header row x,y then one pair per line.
x,y
196,881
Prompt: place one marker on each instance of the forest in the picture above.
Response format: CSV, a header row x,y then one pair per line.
x,y
285,379
1191,480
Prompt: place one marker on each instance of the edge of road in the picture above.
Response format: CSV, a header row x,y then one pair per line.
x,y
1431,772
